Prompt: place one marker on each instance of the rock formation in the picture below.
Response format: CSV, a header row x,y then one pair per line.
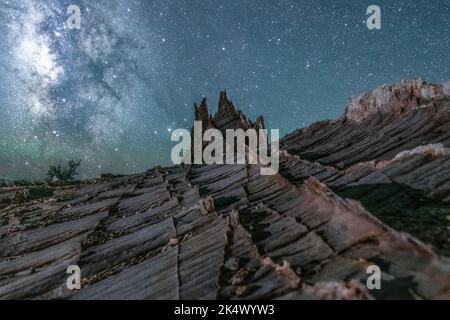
x,y
371,188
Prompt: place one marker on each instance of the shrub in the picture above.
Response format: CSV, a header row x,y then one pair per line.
x,y
63,173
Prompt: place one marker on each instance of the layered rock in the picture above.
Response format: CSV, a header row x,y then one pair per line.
x,y
395,99
394,160
377,126
226,232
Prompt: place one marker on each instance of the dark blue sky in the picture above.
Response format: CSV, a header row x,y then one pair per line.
x,y
110,93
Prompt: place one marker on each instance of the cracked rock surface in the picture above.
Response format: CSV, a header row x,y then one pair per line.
x,y
371,188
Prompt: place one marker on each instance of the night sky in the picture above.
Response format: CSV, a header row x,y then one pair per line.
x,y
111,93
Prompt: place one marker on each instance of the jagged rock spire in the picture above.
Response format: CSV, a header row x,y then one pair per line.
x,y
260,123
201,112
226,117
229,117
224,100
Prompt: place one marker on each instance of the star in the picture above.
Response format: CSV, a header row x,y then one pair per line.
x,y
113,92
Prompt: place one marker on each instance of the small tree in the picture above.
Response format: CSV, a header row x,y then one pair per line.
x,y
63,174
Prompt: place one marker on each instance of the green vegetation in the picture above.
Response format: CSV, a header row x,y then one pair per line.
x,y
36,193
406,209
60,173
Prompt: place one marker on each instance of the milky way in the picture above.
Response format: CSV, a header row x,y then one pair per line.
x,y
111,93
